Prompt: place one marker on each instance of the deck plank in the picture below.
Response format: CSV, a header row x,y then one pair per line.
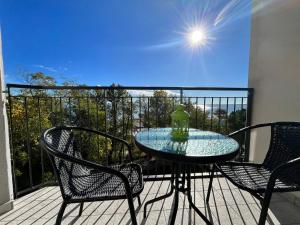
x,y
228,205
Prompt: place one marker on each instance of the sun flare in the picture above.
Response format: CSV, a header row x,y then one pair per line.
x,y
197,37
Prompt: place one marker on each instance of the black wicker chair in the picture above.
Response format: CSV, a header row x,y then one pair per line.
x,y
279,172
84,181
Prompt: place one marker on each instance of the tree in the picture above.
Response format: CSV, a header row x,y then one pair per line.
x,y
220,114
197,117
237,119
110,110
160,108
33,110
29,114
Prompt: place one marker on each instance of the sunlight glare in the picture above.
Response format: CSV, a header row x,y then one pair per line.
x,y
197,37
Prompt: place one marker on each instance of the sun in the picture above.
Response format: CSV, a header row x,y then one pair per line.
x,y
196,37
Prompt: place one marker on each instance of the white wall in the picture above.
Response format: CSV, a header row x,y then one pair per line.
x,y
274,67
6,194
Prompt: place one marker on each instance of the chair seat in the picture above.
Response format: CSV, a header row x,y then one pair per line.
x,y
252,177
97,185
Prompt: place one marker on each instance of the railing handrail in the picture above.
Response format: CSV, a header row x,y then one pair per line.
x,y
78,87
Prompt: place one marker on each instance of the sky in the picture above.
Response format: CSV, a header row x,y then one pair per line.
x,y
132,42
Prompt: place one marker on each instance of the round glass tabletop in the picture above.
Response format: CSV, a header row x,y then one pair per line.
x,y
201,146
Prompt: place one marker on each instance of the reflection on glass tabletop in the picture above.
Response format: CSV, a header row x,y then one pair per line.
x,y
199,144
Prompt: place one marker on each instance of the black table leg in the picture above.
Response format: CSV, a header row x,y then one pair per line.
x,y
160,197
191,200
176,197
176,188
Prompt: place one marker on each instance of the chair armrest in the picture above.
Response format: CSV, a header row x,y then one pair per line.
x,y
240,135
288,165
277,172
258,126
250,128
129,146
234,163
138,170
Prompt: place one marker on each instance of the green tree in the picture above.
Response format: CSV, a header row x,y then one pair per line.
x,y
220,114
237,119
33,110
110,110
160,108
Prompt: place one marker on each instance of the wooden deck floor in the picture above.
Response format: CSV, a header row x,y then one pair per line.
x,y
228,205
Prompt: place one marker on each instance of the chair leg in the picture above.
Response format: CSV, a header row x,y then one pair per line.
x,y
139,200
60,213
132,211
210,183
265,207
80,209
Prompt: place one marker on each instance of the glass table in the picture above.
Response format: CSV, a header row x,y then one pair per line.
x,y
202,147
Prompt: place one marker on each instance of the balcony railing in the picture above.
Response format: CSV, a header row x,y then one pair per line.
x,y
118,110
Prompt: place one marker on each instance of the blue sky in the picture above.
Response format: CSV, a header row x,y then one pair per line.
x,y
132,42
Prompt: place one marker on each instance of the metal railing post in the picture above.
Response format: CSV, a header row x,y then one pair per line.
x,y
12,153
248,123
181,96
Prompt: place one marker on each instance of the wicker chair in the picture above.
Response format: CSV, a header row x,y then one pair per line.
x,y
279,172
84,181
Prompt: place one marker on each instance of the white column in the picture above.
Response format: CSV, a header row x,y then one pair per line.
x,y
274,67
6,187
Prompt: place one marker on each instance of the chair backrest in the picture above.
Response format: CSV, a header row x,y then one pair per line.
x,y
59,142
284,146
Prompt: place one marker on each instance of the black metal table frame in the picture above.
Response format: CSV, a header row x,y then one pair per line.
x,y
180,182
181,175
